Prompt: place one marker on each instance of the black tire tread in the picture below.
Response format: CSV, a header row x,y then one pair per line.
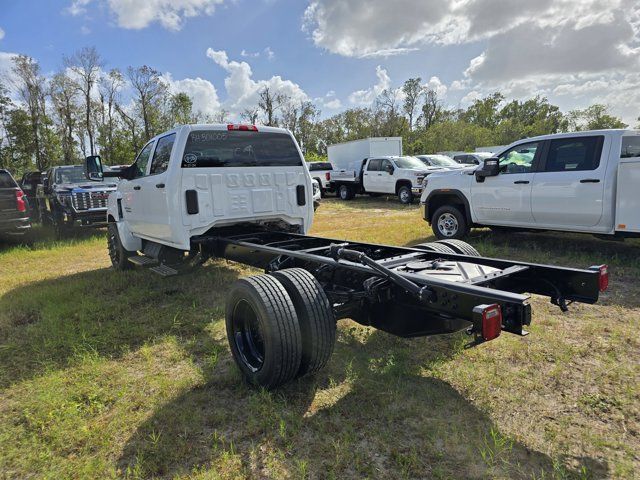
x,y
283,324
435,247
315,316
460,247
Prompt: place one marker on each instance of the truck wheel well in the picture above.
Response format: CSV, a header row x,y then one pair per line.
x,y
402,183
110,219
437,201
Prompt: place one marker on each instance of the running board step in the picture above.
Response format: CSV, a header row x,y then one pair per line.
x,y
143,261
164,270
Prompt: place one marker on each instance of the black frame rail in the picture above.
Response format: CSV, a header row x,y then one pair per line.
x,y
358,279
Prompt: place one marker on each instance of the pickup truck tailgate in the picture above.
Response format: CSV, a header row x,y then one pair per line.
x,y
627,198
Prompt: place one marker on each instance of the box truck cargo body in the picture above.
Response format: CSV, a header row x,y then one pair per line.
x,y
349,155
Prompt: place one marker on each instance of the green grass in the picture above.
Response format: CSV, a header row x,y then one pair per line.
x,y
111,375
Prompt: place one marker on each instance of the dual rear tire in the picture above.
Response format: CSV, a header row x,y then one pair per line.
x,y
279,326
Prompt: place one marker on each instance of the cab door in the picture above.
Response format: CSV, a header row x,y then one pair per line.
x,y
387,180
568,189
155,223
506,198
133,208
371,175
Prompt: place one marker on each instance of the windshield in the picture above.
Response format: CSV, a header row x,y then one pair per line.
x,y
6,180
70,175
409,162
441,160
630,147
221,148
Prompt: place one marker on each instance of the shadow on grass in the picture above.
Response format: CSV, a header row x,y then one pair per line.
x,y
40,237
45,325
373,412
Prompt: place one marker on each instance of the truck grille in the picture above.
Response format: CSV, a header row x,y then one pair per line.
x,y
89,200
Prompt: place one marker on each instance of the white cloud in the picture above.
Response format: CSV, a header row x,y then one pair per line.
x,y
243,91
137,14
269,53
246,54
85,30
1,34
436,85
334,104
6,68
367,97
201,92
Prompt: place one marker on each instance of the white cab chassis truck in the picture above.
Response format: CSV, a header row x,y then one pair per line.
x,y
574,182
243,193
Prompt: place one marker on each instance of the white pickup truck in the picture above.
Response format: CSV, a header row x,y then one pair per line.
x,y
394,175
576,182
243,193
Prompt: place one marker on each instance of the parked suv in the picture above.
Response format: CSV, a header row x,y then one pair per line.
x,y
67,199
577,182
14,206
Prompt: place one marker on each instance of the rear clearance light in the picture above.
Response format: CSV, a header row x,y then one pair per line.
x,y
327,175
20,203
244,128
603,276
490,317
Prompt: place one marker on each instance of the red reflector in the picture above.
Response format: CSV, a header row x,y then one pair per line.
x,y
327,175
20,203
244,128
491,322
603,279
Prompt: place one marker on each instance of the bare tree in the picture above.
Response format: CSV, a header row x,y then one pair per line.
x,y
413,92
269,102
86,64
431,109
64,95
150,90
31,89
110,87
250,115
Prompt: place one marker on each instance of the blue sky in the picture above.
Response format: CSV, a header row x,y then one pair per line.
x,y
341,53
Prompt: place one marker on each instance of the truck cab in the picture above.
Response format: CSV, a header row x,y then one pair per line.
x,y
575,182
189,180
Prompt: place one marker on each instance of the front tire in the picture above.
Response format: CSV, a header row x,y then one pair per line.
x,y
263,331
117,253
449,222
405,195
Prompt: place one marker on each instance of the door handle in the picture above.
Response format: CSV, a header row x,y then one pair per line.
x,y
159,185
137,187
521,182
590,180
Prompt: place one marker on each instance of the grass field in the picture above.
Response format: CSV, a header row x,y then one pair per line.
x,y
108,375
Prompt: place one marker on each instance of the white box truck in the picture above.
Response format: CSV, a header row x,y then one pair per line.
x,y
349,155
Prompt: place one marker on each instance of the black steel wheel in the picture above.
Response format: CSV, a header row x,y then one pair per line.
x,y
117,253
458,246
449,222
435,247
405,195
315,317
263,331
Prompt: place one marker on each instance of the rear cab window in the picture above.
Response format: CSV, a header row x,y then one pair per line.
x,y
630,147
220,148
6,180
574,154
315,166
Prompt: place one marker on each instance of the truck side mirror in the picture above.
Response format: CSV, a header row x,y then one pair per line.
x,y
389,169
93,168
490,168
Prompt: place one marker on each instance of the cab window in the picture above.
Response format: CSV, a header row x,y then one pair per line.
x,y
574,154
519,159
140,165
385,164
162,154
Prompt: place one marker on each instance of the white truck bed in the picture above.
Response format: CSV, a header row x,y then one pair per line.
x,y
627,196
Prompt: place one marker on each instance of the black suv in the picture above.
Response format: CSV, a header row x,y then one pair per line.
x,y
67,199
14,206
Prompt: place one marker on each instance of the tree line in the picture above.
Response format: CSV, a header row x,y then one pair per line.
x,y
81,110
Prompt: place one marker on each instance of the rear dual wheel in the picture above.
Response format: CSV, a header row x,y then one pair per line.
x,y
279,326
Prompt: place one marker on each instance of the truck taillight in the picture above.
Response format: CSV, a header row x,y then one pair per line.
x,y
327,175
490,319
20,203
603,276
244,128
